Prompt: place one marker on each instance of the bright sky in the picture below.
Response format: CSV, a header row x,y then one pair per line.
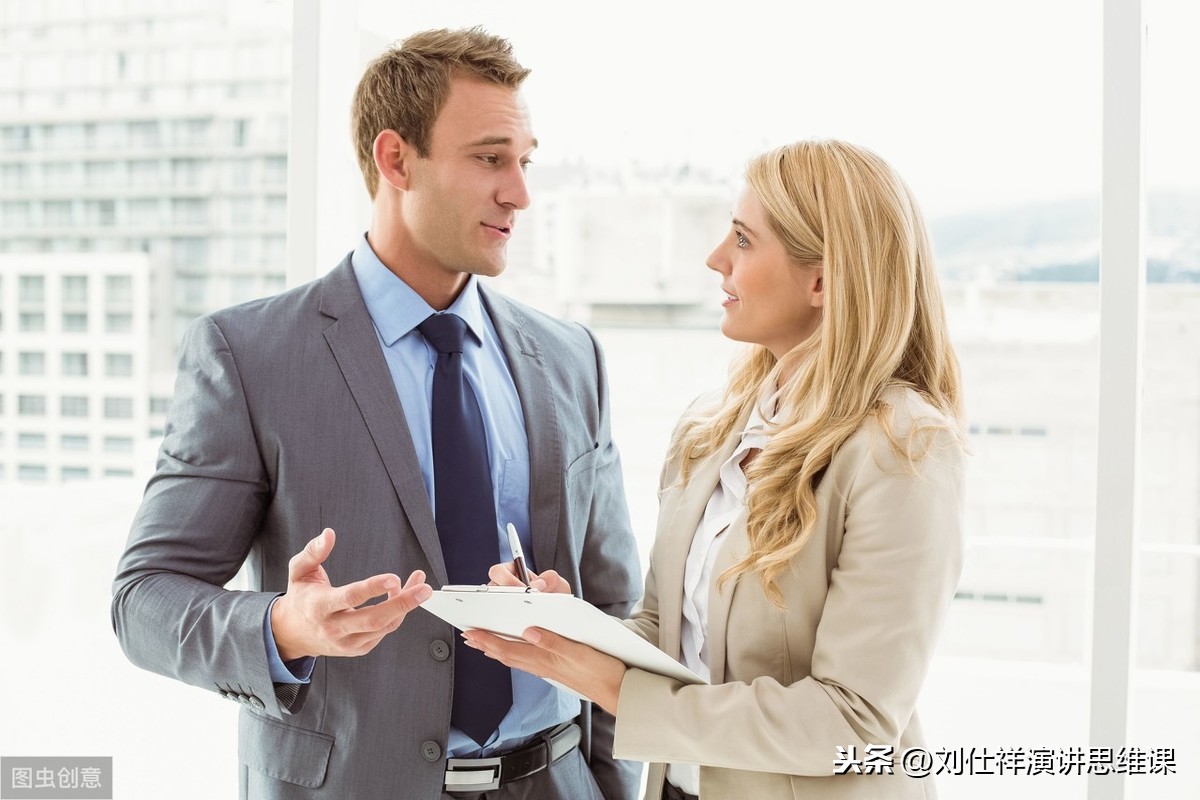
x,y
979,105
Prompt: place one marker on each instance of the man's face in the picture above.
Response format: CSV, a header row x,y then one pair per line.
x,y
462,201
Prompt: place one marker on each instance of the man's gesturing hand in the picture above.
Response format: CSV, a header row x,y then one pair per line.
x,y
316,618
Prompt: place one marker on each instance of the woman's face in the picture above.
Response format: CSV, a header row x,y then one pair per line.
x,y
769,300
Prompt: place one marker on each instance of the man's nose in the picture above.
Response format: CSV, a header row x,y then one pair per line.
x,y
515,191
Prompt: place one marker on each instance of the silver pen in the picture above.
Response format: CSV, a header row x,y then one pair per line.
x,y
514,543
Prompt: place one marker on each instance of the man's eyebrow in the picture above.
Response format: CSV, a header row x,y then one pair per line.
x,y
498,140
743,226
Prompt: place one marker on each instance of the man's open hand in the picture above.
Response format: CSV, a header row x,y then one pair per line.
x,y
316,618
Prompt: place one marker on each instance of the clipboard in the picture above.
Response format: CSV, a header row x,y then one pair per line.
x,y
509,610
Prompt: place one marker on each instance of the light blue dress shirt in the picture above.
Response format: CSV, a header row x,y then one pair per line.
x,y
396,311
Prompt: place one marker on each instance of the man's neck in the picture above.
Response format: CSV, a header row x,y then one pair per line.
x,y
437,286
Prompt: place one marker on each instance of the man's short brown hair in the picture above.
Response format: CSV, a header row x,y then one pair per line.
x,y
404,88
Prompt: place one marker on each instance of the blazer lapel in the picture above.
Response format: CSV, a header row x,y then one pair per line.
x,y
683,509
355,346
546,460
734,548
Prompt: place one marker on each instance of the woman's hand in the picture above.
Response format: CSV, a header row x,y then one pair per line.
x,y
595,675
549,581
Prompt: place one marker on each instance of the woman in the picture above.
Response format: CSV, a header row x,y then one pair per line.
x,y
809,533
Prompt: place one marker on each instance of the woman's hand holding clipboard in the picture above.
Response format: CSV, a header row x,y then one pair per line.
x,y
542,628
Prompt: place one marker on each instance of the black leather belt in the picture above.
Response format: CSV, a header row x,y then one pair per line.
x,y
672,792
484,774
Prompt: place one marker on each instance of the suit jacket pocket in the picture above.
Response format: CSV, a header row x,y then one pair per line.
x,y
283,752
583,464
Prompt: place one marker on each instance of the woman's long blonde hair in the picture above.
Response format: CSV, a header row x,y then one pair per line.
x,y
839,206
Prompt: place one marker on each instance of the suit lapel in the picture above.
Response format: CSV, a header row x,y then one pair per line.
x,y
546,460
356,348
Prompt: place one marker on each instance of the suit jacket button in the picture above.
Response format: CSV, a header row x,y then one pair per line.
x,y
256,703
431,751
439,650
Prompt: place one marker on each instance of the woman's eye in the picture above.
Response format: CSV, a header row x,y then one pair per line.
x,y
742,241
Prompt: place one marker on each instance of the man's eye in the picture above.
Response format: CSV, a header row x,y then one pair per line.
x,y
489,159
525,164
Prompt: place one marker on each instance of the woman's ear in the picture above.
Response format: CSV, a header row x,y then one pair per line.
x,y
393,158
817,288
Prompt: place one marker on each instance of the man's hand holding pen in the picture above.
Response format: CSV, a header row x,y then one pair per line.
x,y
589,672
515,573
548,581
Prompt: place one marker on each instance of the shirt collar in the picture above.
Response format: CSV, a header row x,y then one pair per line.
x,y
766,399
755,422
393,305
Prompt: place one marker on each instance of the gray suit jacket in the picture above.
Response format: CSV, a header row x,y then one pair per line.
x,y
285,420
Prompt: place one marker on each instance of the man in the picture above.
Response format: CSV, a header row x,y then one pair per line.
x,y
393,392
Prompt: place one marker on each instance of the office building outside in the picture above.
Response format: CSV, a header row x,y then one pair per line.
x,y
74,365
157,128
618,249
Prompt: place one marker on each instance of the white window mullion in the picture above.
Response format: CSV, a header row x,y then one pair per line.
x,y
302,142
328,206
1122,301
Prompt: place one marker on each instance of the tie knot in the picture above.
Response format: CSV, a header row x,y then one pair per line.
x,y
445,332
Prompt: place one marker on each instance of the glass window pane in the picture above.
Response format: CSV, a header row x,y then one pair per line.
x,y
118,365
31,472
75,473
1166,684
118,407
75,288
58,213
75,364
32,363
275,170
31,441
118,323
144,213
74,406
118,290
144,174
15,214
31,405
32,289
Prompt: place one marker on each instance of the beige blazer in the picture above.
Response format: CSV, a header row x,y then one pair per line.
x,y
843,665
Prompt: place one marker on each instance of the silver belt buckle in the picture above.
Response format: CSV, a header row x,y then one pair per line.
x,y
472,774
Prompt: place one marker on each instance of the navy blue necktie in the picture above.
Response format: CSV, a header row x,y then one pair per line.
x,y
466,520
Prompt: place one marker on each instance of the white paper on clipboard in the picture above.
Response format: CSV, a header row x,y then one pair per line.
x,y
509,610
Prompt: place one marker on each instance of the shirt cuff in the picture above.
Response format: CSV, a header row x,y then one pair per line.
x,y
298,670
